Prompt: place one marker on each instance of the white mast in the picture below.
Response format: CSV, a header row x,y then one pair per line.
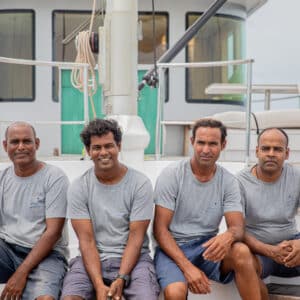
x,y
118,72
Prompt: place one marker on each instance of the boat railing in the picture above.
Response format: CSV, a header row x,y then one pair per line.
x,y
162,67
59,65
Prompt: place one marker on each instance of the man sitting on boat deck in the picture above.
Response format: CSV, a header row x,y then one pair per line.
x,y
191,197
271,195
33,239
110,207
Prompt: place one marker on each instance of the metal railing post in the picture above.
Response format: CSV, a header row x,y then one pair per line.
x,y
248,111
159,112
85,95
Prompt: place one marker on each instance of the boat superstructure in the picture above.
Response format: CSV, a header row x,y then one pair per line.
x,y
38,30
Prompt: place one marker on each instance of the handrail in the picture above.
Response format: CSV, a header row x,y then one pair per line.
x,y
31,62
61,65
221,63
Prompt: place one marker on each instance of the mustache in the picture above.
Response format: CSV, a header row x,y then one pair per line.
x,y
21,153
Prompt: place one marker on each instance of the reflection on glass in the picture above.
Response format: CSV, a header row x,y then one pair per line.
x,y
146,41
16,40
221,38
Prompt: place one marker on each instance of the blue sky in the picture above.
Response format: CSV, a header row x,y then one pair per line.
x,y
273,40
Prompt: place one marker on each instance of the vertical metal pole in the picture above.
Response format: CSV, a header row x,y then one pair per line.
x,y
85,101
248,111
85,95
159,108
267,99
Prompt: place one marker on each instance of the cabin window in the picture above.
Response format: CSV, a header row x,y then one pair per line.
x,y
65,22
221,38
146,41
145,36
17,41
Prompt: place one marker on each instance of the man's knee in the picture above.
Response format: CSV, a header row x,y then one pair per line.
x,y
241,257
45,297
176,290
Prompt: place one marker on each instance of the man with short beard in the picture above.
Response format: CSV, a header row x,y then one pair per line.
x,y
191,197
271,196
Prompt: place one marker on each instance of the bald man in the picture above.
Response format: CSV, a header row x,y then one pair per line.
x,y
33,239
271,196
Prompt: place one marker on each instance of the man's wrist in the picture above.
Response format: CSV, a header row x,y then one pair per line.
x,y
125,278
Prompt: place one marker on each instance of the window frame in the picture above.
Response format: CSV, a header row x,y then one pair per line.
x,y
33,52
167,74
207,101
55,98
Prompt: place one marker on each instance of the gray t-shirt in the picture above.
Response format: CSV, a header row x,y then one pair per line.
x,y
111,208
198,207
26,203
270,208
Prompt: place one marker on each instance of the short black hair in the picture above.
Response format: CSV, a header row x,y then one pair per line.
x,y
273,128
212,123
100,127
19,123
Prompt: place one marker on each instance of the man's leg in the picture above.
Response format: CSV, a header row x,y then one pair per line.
x,y
170,277
245,266
7,262
45,281
144,283
176,290
77,284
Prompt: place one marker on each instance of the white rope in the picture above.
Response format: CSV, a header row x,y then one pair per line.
x,y
85,55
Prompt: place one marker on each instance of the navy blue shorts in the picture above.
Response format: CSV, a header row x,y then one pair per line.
x,y
270,267
168,272
45,279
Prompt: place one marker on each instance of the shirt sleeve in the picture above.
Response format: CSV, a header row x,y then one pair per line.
x,y
56,194
142,205
232,195
166,189
78,200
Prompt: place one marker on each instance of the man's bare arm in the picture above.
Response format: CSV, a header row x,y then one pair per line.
x,y
197,280
131,254
87,244
276,252
16,283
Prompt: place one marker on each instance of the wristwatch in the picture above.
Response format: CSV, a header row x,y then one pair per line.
x,y
125,277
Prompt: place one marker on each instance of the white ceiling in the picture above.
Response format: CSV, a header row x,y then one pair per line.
x,y
250,5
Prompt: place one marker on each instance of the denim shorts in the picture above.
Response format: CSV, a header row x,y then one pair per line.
x,y
168,272
270,267
45,279
143,283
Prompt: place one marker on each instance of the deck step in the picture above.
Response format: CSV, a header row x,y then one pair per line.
x,y
284,291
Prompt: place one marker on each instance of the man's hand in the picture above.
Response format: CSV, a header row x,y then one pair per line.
x,y
198,283
280,252
292,259
14,286
218,246
102,292
116,289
